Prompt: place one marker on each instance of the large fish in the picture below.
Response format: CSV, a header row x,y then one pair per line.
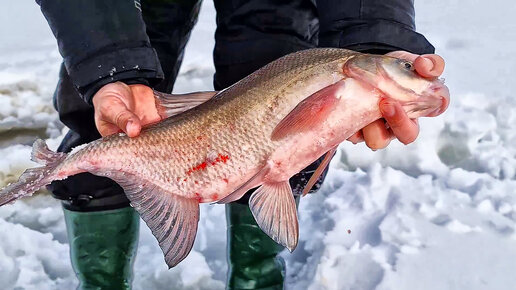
x,y
257,133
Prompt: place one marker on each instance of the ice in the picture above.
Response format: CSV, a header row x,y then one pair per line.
x,y
436,214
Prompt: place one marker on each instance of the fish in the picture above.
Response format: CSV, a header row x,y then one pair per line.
x,y
213,147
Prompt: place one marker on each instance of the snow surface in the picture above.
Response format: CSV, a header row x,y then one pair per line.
x,y
437,214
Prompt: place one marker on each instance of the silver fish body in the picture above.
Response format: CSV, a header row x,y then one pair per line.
x,y
208,151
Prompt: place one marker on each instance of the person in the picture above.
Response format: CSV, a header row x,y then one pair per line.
x,y
116,52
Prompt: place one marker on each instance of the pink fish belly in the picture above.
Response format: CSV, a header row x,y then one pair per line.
x,y
357,106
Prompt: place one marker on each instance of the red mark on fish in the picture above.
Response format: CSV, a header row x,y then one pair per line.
x,y
203,165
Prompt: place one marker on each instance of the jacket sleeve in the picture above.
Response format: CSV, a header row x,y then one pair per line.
x,y
102,42
378,26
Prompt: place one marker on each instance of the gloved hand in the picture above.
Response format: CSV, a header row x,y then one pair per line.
x,y
377,135
120,107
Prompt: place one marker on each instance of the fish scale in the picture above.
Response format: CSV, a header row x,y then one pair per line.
x,y
257,133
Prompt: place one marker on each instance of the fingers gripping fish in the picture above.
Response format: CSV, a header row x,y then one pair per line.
x,y
257,133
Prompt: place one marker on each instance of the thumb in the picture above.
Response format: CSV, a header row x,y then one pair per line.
x,y
114,111
429,65
115,117
126,120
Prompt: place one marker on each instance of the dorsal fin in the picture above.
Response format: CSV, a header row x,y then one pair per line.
x,y
169,105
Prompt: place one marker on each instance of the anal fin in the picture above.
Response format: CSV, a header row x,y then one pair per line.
x,y
172,218
274,209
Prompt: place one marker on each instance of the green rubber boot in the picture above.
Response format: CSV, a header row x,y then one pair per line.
x,y
252,256
103,247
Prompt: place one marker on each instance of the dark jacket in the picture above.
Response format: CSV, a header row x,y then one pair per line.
x,y
105,41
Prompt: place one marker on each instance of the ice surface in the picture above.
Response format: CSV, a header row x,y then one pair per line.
x,y
437,214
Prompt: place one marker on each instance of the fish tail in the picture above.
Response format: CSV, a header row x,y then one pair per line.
x,y
33,178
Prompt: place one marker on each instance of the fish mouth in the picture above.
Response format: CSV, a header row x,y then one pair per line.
x,y
431,103
443,95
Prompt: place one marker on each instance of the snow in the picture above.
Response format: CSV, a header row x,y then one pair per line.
x,y
436,214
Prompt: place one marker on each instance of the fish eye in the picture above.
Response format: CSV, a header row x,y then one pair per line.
x,y
408,65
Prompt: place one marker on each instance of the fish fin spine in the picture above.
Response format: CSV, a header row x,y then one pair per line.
x,y
320,169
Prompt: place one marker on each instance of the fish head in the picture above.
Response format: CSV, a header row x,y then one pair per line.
x,y
397,79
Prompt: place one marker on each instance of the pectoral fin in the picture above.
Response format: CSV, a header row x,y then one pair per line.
x,y
172,219
309,112
274,209
169,105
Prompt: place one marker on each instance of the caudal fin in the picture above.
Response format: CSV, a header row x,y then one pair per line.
x,y
33,178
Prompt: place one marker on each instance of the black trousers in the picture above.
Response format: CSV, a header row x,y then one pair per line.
x,y
249,35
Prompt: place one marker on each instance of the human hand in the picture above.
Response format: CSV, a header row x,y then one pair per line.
x,y
124,108
395,122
